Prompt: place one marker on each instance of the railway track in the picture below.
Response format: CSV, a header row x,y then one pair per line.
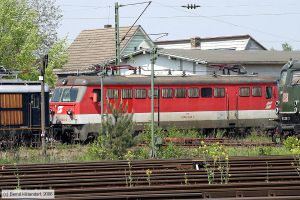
x,y
269,177
194,142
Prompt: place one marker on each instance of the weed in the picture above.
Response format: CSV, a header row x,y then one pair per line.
x,y
149,173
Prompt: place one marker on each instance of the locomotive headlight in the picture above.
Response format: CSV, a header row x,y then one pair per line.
x,y
51,112
69,112
277,103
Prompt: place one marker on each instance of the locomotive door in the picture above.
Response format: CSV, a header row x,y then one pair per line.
x,y
232,105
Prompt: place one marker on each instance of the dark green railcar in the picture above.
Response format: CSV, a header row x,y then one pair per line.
x,y
288,105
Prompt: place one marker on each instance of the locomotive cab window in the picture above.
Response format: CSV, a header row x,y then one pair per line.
x,y
282,80
69,95
193,92
219,92
244,92
156,93
126,93
180,93
295,78
167,92
269,92
140,93
112,93
256,92
206,92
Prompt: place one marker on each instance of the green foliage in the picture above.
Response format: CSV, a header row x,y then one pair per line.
x,y
257,137
172,151
292,143
215,158
58,56
116,135
19,37
286,47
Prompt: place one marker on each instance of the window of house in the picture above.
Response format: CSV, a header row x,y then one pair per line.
x,y
98,92
156,93
126,93
219,92
244,92
140,93
180,92
193,92
269,92
167,92
112,93
256,92
206,92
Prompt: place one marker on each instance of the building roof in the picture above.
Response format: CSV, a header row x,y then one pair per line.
x,y
95,46
217,42
232,57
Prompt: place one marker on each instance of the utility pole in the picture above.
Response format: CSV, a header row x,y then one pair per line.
x,y
117,33
102,99
43,113
153,58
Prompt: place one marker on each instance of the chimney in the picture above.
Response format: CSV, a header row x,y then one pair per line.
x,y
196,42
107,26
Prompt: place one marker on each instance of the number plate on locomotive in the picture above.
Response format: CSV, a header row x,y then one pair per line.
x,y
285,118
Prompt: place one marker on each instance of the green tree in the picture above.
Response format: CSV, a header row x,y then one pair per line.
x,y
286,47
19,37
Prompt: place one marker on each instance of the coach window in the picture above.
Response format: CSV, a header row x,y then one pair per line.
x,y
112,93
140,93
156,93
219,92
256,92
244,92
206,92
193,92
180,93
35,100
167,92
126,93
269,92
98,93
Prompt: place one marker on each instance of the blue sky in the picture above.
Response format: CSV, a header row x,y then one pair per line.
x,y
270,22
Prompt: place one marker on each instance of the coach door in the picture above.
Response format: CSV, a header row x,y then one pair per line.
x,y
232,104
35,110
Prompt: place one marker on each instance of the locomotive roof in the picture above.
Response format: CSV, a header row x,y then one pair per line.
x,y
292,65
165,80
20,86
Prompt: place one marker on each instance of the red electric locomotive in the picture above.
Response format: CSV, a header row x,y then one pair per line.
x,y
206,102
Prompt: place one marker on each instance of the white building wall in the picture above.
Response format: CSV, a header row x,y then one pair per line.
x,y
164,61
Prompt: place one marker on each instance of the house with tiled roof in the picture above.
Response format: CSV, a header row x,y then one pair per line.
x,y
97,47
234,42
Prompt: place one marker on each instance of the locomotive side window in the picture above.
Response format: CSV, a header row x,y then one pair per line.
x,y
112,93
180,92
295,78
126,93
256,92
193,92
219,92
69,95
206,92
269,92
244,92
167,92
140,93
156,93
98,93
